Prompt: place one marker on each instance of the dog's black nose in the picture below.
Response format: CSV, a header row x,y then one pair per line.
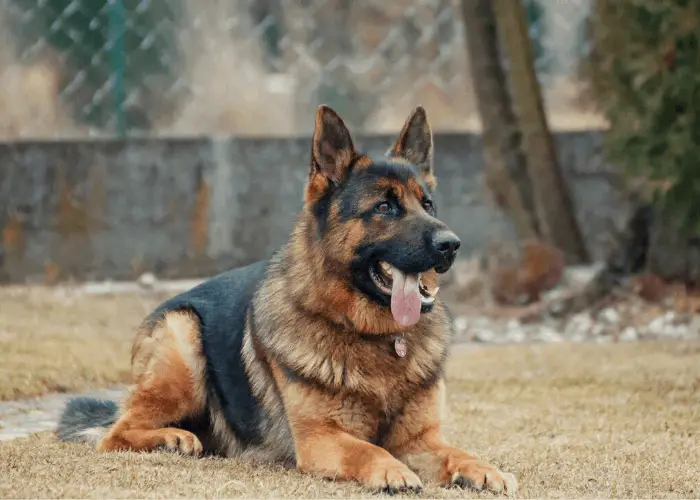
x,y
446,243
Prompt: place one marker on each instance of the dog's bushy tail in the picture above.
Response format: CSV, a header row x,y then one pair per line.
x,y
86,420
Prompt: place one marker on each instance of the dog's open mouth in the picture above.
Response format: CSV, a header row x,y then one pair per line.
x,y
408,292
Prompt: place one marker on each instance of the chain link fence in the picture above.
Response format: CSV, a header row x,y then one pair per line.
x,y
105,68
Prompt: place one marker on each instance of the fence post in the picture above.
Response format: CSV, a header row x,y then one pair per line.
x,y
117,61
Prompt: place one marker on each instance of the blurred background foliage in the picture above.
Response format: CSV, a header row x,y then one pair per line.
x,y
642,71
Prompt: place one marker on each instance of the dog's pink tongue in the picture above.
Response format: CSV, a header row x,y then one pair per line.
x,y
405,298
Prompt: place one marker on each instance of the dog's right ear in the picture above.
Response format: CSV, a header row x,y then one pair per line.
x,y
332,152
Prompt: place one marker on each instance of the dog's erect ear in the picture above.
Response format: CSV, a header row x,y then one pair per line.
x,y
415,144
332,151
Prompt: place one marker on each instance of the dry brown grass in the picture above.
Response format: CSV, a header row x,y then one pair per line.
x,y
569,420
55,343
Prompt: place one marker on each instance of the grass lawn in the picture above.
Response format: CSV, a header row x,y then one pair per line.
x,y
61,343
569,420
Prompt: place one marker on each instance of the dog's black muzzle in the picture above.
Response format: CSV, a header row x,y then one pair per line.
x,y
444,245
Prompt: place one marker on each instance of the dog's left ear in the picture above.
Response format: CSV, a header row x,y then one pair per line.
x,y
415,145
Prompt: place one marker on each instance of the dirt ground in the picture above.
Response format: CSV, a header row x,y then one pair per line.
x,y
569,420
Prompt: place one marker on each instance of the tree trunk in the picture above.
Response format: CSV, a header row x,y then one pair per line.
x,y
506,170
555,208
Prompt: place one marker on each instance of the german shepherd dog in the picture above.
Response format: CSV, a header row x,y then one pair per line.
x,y
329,356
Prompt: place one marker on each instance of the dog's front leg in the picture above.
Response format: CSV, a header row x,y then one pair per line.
x,y
330,452
330,439
415,439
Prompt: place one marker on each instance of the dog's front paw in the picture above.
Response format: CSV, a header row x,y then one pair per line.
x,y
181,441
391,476
478,475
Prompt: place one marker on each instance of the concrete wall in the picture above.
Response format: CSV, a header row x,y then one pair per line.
x,y
186,208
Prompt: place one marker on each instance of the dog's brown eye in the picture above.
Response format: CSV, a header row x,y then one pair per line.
x,y
383,207
427,205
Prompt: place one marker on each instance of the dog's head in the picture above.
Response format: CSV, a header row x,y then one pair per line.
x,y
376,219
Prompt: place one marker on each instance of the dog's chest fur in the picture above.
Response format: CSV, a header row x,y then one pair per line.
x,y
354,378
